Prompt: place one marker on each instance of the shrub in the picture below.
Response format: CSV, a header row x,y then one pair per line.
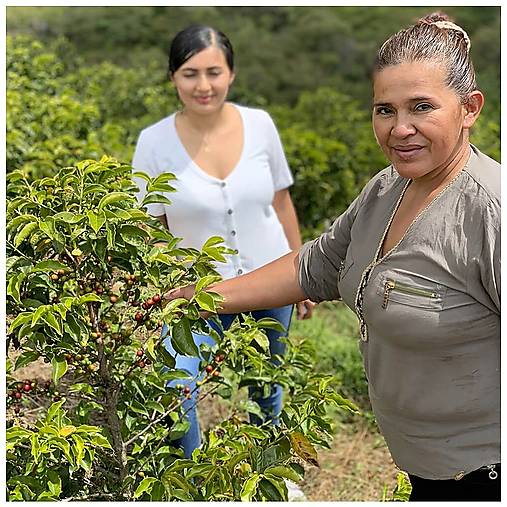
x,y
86,270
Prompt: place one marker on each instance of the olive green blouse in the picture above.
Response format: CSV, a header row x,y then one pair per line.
x,y
429,315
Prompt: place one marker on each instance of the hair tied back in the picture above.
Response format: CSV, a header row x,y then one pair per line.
x,y
449,25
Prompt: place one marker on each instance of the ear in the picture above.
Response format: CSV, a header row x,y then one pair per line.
x,y
231,79
472,108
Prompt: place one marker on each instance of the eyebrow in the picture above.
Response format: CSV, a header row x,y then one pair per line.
x,y
215,67
412,99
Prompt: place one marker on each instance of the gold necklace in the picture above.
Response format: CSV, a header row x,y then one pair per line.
x,y
205,137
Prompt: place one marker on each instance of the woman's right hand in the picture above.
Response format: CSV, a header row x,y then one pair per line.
x,y
186,292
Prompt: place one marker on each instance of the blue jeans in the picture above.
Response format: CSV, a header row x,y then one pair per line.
x,y
271,406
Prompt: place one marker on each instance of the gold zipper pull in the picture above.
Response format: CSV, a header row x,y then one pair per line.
x,y
389,286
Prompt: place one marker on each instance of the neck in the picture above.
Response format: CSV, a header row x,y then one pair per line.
x,y
204,123
437,179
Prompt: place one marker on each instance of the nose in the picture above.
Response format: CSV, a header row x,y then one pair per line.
x,y
203,83
402,127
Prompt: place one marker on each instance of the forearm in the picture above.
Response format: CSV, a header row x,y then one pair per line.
x,y
273,285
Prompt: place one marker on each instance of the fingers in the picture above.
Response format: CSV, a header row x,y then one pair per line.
x,y
180,292
308,309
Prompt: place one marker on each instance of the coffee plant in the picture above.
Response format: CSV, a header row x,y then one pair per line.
x,y
87,270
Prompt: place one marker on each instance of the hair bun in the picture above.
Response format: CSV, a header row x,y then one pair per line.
x,y
443,21
433,18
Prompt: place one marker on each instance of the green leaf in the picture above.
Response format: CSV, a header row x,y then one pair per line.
x,y
205,281
284,472
206,301
15,222
96,220
273,488
27,357
101,441
22,318
54,410
182,339
155,405
68,217
268,323
94,188
51,319
253,431
141,175
89,297
25,232
14,286
214,240
138,407
47,226
155,198
262,340
34,439
54,483
133,235
82,388
145,486
59,369
79,448
249,487
37,315
49,265
114,197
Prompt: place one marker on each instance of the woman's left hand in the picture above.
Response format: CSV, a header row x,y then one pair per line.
x,y
304,309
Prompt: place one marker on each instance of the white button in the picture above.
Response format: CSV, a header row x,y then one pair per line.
x,y
222,184
233,233
240,271
229,211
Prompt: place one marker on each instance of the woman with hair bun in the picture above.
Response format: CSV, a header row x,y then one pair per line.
x,y
232,181
417,257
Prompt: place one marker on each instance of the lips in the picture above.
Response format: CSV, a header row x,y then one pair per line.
x,y
406,152
204,99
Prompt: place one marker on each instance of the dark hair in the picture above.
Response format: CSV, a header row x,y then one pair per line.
x,y
194,39
434,37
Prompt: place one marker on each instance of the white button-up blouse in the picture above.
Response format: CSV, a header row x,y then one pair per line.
x,y
238,208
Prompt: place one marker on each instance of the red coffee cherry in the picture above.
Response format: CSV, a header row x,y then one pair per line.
x,y
186,390
139,316
156,298
140,353
113,299
209,368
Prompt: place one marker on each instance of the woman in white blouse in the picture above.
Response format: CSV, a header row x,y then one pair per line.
x,y
232,181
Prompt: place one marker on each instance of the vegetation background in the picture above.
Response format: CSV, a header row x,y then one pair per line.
x,y
83,81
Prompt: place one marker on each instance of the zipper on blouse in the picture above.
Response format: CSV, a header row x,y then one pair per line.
x,y
391,285
340,270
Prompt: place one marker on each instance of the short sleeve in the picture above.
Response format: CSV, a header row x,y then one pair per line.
x,y
320,259
282,175
143,161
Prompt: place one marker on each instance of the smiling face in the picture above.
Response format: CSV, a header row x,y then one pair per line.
x,y
419,122
203,81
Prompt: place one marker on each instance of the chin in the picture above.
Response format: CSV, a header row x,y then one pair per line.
x,y
409,170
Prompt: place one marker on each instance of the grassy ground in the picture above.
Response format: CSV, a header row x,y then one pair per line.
x,y
358,467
